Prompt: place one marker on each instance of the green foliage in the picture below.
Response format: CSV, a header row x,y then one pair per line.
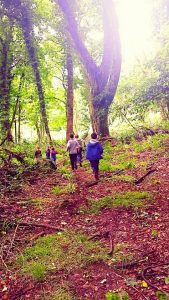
x,y
65,250
57,190
117,296
126,199
162,296
70,188
126,178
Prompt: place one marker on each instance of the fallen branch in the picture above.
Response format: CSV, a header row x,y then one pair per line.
x,y
143,274
12,241
144,176
35,237
40,225
111,250
128,265
91,184
14,155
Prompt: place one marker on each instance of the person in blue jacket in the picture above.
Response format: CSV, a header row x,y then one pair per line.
x,y
94,151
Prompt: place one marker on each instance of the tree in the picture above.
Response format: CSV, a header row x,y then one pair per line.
x,y
20,11
103,79
6,60
70,96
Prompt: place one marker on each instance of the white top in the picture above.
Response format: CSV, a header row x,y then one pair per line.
x,y
72,146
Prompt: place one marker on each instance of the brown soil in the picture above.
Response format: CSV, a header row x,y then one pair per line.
x,y
135,227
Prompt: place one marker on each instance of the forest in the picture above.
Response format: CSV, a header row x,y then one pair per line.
x,y
74,227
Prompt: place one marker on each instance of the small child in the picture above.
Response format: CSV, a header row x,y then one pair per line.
x,y
79,151
48,153
94,152
53,157
38,155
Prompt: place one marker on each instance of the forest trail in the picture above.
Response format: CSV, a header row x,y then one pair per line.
x,y
134,235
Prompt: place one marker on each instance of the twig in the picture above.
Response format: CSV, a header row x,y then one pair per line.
x,y
4,263
144,176
131,286
111,250
143,274
41,225
91,184
12,241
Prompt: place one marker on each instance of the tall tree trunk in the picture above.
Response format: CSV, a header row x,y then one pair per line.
x,y
103,79
19,121
5,83
27,29
70,96
38,132
15,127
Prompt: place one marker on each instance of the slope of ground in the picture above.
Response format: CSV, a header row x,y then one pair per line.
x,y
125,228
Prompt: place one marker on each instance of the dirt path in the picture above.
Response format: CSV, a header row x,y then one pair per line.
x,y
143,233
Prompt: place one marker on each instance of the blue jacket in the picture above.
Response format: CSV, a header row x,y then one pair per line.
x,y
94,150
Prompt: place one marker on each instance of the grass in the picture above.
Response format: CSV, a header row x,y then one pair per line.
x,y
111,295
65,250
70,188
61,293
126,199
126,178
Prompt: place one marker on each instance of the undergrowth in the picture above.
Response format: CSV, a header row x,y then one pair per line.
x,y
70,188
126,199
65,250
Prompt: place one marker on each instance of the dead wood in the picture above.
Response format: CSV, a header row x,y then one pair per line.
x,y
144,273
40,225
99,235
126,265
91,184
111,250
36,236
138,181
18,156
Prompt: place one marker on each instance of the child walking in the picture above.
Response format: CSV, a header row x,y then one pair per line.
x,y
79,152
72,147
53,157
94,152
48,152
38,155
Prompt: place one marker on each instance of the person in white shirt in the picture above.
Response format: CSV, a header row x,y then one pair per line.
x,y
72,147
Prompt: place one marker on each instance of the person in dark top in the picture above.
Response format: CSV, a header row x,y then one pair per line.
x,y
94,151
53,156
38,154
48,152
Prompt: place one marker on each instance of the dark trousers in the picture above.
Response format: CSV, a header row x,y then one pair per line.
x,y
95,167
79,156
73,161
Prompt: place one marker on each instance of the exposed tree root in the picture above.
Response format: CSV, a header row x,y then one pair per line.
x,y
144,176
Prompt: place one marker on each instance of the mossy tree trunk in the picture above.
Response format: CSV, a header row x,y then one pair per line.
x,y
5,83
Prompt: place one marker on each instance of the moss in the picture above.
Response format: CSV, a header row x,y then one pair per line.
x,y
70,188
126,178
59,251
127,199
